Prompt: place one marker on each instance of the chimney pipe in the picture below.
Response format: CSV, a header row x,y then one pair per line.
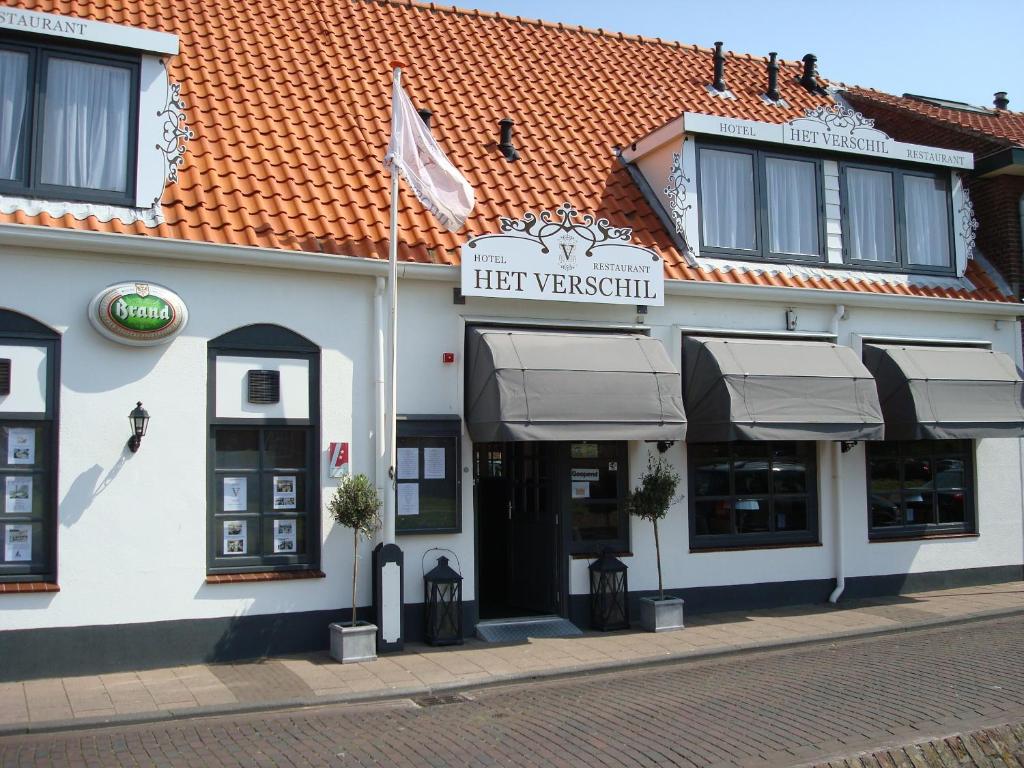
x,y
1001,101
719,83
773,77
425,115
505,145
810,76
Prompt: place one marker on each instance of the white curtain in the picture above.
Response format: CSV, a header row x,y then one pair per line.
x,y
85,125
727,199
927,209
870,215
13,84
792,207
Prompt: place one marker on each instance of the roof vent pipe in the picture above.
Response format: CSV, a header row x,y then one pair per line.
x,y
719,83
809,80
773,77
505,145
425,115
1000,100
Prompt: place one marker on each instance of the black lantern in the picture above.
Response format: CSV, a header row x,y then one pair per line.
x,y
139,418
442,592
609,593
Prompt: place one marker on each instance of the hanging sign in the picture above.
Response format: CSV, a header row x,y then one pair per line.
x,y
562,257
138,314
337,458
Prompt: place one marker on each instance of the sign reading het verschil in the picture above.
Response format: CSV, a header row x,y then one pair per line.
x,y
559,258
137,313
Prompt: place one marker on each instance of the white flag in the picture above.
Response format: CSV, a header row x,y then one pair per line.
x,y
416,156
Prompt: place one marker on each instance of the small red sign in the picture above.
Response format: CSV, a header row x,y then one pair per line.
x,y
337,465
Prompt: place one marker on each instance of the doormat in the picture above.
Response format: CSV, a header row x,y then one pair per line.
x,y
517,630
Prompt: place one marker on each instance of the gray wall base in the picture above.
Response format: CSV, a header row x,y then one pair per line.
x,y
64,651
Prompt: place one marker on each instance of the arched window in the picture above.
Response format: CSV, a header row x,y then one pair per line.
x,y
264,447
29,390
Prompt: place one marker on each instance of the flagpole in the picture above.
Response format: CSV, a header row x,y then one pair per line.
x,y
388,528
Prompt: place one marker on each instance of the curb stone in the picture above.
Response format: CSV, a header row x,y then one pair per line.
x,y
399,695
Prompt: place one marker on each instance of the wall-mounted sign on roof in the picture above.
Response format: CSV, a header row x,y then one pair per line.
x,y
836,128
556,257
138,314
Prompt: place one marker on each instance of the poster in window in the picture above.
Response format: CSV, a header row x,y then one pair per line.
x,y
408,463
583,450
21,446
433,463
17,543
408,499
236,538
17,495
581,490
284,537
284,492
235,493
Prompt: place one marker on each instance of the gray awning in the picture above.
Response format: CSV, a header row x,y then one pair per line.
x,y
553,385
762,389
946,393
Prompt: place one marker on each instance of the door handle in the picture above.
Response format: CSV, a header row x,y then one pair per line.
x,y
510,509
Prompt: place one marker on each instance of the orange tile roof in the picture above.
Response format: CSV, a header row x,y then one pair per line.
x,y
998,126
290,105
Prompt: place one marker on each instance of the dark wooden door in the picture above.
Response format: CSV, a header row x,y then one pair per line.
x,y
533,542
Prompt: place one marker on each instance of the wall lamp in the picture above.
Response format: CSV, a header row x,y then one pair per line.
x,y
847,445
139,418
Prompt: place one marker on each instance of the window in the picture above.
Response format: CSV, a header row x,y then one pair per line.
x,y
920,487
264,506
68,123
28,450
428,486
897,219
752,494
597,478
760,204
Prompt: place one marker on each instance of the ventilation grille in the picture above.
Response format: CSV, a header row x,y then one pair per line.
x,y
5,376
264,387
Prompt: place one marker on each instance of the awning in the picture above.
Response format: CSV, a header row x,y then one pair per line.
x,y
761,389
554,385
946,393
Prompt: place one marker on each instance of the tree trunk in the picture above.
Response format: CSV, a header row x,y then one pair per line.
x,y
355,570
657,552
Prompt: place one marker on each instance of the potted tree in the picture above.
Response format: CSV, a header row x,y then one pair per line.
x,y
355,504
650,501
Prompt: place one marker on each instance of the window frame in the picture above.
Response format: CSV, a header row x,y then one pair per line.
x,y
442,426
30,162
762,236
17,329
901,264
264,340
563,487
924,530
765,540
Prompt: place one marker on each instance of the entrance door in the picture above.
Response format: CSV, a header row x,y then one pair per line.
x,y
517,526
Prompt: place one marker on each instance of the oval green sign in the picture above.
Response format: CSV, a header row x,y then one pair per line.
x,y
138,313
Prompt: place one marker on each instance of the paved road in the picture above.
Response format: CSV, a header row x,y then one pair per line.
x,y
780,708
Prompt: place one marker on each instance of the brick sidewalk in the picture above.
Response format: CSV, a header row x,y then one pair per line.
x,y
55,703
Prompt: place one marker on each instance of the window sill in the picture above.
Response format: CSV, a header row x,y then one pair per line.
x,y
25,587
882,539
748,547
238,578
594,555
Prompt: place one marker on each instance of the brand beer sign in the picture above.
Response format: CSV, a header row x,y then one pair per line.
x,y
562,257
138,313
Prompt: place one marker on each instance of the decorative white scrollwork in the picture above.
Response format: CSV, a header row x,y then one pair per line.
x,y
968,221
677,192
176,133
839,118
544,229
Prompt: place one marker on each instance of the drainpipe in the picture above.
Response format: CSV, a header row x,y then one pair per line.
x,y
837,491
380,441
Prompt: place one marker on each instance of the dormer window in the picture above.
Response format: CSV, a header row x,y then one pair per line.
x,y
760,204
897,219
68,123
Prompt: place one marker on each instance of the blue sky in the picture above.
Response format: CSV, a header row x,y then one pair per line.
x,y
964,51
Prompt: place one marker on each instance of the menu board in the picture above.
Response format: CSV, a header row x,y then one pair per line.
x,y
428,483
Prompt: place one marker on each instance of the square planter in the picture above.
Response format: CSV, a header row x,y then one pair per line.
x,y
358,643
661,615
